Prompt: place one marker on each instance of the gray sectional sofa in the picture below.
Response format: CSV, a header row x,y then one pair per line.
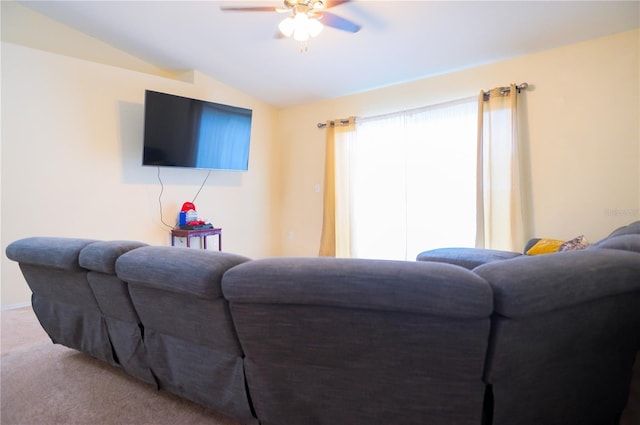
x,y
461,336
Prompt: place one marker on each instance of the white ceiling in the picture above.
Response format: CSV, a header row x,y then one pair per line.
x,y
399,40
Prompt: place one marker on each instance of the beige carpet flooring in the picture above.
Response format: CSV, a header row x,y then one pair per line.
x,y
46,384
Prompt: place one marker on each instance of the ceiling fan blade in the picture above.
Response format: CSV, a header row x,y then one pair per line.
x,y
335,21
329,4
249,9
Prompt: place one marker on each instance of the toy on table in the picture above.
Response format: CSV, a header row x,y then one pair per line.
x,y
188,218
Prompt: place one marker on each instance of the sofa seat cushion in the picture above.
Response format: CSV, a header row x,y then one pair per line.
x,y
468,258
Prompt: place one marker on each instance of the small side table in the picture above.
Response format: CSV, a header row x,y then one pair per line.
x,y
201,233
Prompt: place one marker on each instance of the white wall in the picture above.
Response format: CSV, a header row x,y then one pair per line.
x,y
583,142
71,154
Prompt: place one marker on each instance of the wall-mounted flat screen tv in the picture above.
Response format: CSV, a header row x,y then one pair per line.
x,y
184,132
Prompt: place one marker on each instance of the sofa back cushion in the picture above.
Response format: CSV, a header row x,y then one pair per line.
x,y
101,256
62,299
51,252
331,341
629,229
189,336
628,242
112,295
468,258
564,337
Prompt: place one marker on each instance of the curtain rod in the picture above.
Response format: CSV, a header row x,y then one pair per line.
x,y
503,90
332,123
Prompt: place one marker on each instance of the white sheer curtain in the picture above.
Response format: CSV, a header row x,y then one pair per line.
x,y
409,181
441,176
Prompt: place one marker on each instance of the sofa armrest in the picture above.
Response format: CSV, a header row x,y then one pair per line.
x,y
468,258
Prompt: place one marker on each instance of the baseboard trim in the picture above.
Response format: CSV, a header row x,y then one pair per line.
x,y
14,306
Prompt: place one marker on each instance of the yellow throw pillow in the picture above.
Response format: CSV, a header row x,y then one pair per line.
x,y
545,246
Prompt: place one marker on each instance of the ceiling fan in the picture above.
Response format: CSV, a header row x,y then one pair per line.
x,y
307,17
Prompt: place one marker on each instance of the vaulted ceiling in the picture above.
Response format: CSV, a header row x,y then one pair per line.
x,y
399,40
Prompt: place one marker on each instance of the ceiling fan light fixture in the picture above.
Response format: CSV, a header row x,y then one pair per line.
x,y
301,34
315,27
287,26
306,17
301,26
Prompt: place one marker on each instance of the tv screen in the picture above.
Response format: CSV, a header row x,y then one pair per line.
x,y
184,132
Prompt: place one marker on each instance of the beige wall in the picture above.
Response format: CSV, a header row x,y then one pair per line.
x,y
583,142
71,154
72,134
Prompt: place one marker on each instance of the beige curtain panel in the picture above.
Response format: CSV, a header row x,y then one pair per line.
x,y
500,216
336,232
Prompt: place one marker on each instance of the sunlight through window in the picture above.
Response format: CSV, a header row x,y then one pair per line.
x,y
413,181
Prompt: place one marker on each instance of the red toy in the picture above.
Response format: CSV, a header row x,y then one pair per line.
x,y
188,206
